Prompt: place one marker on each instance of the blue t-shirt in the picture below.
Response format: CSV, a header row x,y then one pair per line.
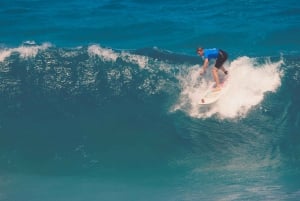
x,y
211,53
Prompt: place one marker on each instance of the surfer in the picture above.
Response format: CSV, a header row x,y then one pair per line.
x,y
220,56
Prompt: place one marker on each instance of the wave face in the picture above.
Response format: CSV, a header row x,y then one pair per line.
x,y
129,117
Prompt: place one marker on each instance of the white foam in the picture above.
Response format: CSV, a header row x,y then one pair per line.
x,y
141,61
24,51
31,51
249,81
104,53
4,54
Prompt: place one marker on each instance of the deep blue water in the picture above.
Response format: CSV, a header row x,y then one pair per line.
x,y
99,101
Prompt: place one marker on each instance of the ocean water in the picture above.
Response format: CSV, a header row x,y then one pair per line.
x,y
99,101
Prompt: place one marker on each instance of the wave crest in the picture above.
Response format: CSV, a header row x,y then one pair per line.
x,y
26,50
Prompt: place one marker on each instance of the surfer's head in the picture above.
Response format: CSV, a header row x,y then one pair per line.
x,y
200,51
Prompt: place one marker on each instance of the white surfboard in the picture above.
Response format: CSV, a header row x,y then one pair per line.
x,y
211,95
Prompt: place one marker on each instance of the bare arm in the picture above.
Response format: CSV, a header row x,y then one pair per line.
x,y
205,65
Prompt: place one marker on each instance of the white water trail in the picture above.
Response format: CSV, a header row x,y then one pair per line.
x,y
249,82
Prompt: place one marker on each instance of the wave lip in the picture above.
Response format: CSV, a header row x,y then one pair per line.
x,y
28,49
109,55
104,53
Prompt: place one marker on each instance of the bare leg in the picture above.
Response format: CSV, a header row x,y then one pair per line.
x,y
224,70
216,78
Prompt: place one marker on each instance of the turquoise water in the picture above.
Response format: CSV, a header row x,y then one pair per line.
x,y
99,101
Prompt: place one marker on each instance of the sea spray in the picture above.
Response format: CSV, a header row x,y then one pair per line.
x,y
248,84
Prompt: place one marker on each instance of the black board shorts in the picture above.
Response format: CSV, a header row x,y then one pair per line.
x,y
222,57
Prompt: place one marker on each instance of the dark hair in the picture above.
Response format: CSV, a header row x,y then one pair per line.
x,y
199,49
